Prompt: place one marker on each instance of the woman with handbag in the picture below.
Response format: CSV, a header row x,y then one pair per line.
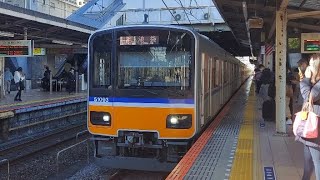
x,y
310,91
19,81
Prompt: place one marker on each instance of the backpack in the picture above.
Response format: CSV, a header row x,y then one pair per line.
x,y
272,91
266,77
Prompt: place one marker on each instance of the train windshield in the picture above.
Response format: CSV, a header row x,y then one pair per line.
x,y
154,59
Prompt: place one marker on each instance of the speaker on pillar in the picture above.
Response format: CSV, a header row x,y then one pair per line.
x,y
255,23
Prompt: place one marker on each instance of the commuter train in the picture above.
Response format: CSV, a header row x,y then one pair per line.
x,y
152,90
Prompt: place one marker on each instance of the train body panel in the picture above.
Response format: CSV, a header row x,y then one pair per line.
x,y
153,88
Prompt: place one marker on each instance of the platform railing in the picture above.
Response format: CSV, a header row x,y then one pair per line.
x,y
69,148
8,166
80,133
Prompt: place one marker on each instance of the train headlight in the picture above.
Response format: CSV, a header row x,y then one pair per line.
x,y
106,118
174,120
100,118
179,121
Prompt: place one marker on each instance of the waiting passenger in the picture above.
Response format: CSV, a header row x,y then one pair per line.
x,y
19,80
257,76
302,66
71,81
8,78
46,79
310,88
265,80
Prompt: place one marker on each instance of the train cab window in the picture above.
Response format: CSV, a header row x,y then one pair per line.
x,y
101,70
154,59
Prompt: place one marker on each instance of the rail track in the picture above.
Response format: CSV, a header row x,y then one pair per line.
x,y
33,145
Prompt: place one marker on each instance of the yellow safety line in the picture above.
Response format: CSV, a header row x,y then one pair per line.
x,y
242,168
37,101
257,167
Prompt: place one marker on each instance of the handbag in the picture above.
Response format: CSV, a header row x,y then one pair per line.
x,y
306,122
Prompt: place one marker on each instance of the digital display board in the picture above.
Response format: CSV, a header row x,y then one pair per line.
x,y
310,42
138,40
311,45
16,48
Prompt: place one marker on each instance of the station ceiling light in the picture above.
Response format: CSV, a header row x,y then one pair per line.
x,y
62,42
6,34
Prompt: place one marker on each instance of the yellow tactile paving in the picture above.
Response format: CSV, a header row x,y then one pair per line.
x,y
242,168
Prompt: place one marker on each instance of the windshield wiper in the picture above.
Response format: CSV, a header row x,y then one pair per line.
x,y
173,91
155,93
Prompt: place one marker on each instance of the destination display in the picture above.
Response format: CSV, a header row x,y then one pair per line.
x,y
16,48
138,40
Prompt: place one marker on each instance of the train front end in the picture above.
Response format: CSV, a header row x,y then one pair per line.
x,y
141,106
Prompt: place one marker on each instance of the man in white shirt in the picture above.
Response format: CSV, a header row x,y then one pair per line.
x,y
18,79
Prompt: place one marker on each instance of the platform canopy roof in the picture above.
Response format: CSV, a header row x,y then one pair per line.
x,y
303,16
41,27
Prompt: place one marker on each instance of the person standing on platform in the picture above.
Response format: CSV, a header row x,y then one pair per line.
x,y
8,78
302,65
266,79
257,77
310,88
71,81
19,81
46,79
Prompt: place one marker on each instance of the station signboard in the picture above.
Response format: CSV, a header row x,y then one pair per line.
x,y
310,42
16,48
39,51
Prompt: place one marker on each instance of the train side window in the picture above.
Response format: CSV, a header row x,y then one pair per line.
x,y
217,72
228,72
221,70
213,83
225,75
232,71
101,70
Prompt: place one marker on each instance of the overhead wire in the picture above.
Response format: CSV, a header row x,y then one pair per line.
x,y
189,10
186,14
197,5
170,11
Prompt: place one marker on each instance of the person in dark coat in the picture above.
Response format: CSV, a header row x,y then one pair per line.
x,y
46,79
310,84
257,77
71,81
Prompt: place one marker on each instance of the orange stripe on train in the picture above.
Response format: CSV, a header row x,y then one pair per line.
x,y
143,119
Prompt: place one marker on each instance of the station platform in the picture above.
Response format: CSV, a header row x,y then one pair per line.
x,y
236,147
36,97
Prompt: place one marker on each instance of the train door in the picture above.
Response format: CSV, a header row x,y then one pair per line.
x,y
202,90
